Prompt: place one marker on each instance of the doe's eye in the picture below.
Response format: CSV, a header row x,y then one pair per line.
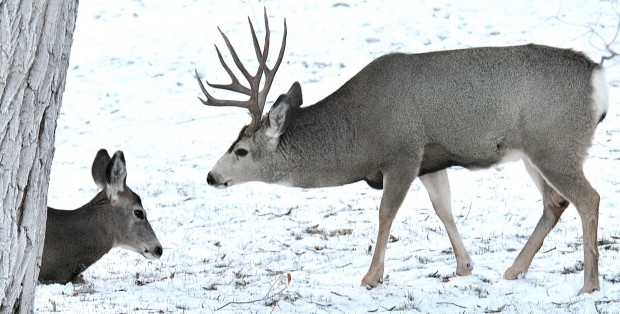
x,y
241,152
139,214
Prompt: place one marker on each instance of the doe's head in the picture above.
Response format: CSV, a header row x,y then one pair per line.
x,y
128,225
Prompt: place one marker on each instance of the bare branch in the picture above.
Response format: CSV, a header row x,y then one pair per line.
x,y
598,40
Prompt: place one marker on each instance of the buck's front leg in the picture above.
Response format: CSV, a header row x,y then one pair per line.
x,y
395,187
437,185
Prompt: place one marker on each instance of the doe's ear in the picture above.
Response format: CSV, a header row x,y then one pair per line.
x,y
116,174
99,167
281,112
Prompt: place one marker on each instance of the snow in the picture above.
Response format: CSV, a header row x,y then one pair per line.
x,y
131,87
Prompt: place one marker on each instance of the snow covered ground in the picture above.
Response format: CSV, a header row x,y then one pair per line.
x,y
265,248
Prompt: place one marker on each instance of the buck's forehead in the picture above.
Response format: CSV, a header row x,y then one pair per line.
x,y
239,138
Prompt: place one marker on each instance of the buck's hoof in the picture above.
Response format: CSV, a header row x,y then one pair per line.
x,y
372,279
513,274
589,289
465,270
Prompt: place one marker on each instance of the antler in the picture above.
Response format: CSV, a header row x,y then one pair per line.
x,y
257,100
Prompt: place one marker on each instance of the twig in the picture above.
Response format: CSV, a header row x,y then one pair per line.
x,y
267,296
597,303
566,305
450,303
607,45
499,310
458,219
290,210
273,285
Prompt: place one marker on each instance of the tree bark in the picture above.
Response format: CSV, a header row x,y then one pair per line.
x,y
35,42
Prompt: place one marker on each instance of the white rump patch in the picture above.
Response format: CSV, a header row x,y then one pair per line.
x,y
287,184
513,155
600,94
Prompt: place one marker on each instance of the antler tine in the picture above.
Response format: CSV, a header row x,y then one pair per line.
x,y
235,86
259,55
253,104
262,95
270,73
235,57
212,101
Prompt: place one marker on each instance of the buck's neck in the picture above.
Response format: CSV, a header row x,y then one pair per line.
x,y
318,148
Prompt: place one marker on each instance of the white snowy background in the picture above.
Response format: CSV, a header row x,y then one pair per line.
x,y
131,87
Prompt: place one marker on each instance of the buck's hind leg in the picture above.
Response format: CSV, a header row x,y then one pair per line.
x,y
437,185
396,184
554,205
565,175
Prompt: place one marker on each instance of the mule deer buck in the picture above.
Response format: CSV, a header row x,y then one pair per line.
x,y
414,115
75,239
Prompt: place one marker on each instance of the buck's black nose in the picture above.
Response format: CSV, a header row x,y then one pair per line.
x,y
158,251
210,179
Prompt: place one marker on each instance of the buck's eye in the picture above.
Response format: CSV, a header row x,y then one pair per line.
x,y
241,152
139,214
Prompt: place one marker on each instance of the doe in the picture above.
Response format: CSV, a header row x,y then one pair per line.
x,y
75,239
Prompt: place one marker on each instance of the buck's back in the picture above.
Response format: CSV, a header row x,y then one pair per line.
x,y
469,103
471,81
470,87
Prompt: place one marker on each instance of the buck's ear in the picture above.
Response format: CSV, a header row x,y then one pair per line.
x,y
281,112
294,94
116,174
99,168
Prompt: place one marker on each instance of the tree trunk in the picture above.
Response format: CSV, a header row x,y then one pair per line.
x,y
35,42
